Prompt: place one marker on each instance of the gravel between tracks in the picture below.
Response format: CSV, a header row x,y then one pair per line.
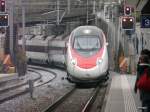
x,y
43,96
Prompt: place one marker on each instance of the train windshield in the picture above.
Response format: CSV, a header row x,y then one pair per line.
x,y
87,45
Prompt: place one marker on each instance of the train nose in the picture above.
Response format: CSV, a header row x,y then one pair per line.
x,y
87,65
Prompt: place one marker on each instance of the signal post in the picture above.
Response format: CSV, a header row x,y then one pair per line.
x,y
4,17
127,25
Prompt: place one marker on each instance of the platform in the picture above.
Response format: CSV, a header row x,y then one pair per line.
x,y
121,97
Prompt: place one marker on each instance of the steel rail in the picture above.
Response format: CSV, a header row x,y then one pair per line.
x,y
91,100
59,101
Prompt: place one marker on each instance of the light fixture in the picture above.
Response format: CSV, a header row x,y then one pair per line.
x,y
87,31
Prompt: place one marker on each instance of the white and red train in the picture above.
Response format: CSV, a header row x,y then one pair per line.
x,y
87,55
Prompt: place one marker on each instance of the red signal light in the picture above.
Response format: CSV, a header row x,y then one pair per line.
x,y
131,19
4,20
127,23
2,5
124,19
5,17
127,10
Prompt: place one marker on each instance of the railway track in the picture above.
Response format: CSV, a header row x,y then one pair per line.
x,y
59,101
11,91
15,90
76,100
39,69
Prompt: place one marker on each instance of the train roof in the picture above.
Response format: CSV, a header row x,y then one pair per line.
x,y
87,30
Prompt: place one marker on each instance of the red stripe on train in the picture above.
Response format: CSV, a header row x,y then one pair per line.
x,y
86,62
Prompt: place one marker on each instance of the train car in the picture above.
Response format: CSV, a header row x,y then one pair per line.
x,y
45,50
36,49
87,55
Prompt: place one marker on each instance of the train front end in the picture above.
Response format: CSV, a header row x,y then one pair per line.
x,y
87,57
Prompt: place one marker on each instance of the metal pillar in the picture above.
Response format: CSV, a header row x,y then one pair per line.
x,y
11,28
94,7
31,88
23,28
58,13
87,15
68,8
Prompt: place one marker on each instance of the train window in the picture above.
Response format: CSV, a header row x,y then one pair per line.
x,y
87,44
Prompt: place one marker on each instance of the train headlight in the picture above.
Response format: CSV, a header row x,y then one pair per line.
x,y
73,62
99,61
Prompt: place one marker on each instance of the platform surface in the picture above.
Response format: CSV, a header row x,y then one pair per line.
x,y
121,97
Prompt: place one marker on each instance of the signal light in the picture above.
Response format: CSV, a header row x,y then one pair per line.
x,y
131,19
124,19
127,10
127,23
2,5
4,20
